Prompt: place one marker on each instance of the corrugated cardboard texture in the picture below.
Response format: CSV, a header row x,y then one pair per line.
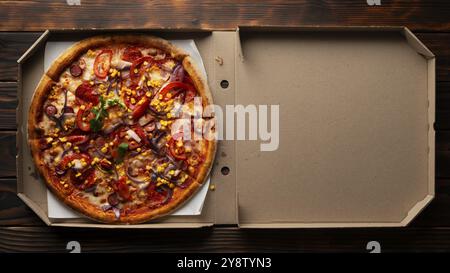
x,y
353,128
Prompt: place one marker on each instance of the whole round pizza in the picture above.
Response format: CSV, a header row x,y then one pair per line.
x,y
104,131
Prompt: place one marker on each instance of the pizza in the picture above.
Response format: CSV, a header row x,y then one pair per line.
x,y
104,128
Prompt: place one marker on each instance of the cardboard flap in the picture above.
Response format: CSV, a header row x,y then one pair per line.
x,y
224,171
354,128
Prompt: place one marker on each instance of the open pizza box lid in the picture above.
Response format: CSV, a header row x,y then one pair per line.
x,y
356,111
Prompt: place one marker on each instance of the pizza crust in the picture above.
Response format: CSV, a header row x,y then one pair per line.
x,y
70,195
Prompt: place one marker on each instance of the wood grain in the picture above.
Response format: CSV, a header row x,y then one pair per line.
x,y
45,239
12,210
419,15
8,154
12,46
438,44
8,104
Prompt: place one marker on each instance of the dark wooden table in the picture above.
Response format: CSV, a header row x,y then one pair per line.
x,y
21,22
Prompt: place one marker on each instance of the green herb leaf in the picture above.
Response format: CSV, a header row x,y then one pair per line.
x,y
96,125
121,151
101,113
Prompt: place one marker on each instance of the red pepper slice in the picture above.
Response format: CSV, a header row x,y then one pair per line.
x,y
174,150
131,54
77,139
85,93
140,108
84,125
122,188
102,63
176,85
136,68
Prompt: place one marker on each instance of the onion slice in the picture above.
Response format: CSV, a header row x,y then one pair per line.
x,y
133,135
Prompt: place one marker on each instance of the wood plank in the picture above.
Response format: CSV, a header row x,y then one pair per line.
x,y
45,239
437,214
423,15
7,154
438,44
13,211
12,46
8,104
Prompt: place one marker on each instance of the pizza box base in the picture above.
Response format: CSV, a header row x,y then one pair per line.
x,y
356,137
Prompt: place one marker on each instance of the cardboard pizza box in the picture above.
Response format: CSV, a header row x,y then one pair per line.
x,y
356,110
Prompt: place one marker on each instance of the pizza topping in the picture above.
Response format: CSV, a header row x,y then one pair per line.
x,y
105,164
158,196
177,74
157,142
113,199
75,70
121,151
84,115
98,114
122,188
136,171
175,89
77,139
131,54
133,135
150,127
138,67
82,63
140,108
145,119
176,147
86,93
50,110
76,161
102,63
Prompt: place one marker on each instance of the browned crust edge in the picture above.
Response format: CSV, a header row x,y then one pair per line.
x,y
203,88
68,196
